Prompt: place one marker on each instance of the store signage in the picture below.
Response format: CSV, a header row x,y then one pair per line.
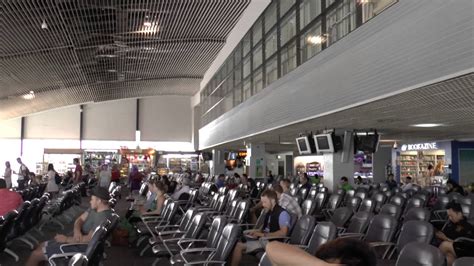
x,y
419,146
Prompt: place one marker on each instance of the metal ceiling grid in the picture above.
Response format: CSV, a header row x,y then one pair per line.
x,y
99,50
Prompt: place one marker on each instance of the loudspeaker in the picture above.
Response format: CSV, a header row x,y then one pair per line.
x,y
347,146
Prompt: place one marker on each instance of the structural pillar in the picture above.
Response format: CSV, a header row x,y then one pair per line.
x,y
335,168
217,165
256,160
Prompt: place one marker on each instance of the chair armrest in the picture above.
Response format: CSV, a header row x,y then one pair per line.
x,y
166,226
195,250
190,241
464,239
387,245
206,262
150,215
274,238
176,239
60,256
71,245
164,233
351,235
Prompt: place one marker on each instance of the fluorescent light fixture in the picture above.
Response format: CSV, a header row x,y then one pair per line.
x,y
316,39
29,96
147,24
287,143
427,125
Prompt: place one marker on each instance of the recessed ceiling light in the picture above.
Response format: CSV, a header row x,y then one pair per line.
x,y
427,125
29,96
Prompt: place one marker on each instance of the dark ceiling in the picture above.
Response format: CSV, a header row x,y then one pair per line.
x,y
76,51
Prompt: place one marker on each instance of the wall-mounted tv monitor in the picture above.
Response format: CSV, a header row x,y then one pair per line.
x,y
324,143
206,156
367,143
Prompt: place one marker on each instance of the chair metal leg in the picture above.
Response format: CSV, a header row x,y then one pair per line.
x,y
31,237
155,261
11,253
24,240
144,250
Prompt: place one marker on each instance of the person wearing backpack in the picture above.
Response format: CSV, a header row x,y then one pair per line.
x,y
23,174
53,178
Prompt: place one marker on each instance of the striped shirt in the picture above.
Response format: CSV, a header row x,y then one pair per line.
x,y
290,204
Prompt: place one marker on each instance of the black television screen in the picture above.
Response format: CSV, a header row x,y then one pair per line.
x,y
302,145
366,143
206,156
323,143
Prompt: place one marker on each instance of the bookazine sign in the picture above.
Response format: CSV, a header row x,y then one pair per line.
x,y
419,146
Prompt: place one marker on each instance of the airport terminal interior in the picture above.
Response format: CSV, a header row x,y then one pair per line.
x,y
237,132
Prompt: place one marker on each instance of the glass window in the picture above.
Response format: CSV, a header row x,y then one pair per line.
x,y
228,103
311,42
237,75
237,54
270,16
329,2
285,5
246,44
271,44
247,66
288,28
309,9
373,7
288,58
271,71
230,65
238,95
247,88
257,32
257,56
257,81
341,20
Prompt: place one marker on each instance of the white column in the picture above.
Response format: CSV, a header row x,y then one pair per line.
x,y
256,160
334,169
217,165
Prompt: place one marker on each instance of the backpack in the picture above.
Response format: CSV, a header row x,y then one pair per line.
x,y
57,179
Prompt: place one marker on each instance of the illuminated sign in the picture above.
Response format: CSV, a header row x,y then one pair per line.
x,y
419,146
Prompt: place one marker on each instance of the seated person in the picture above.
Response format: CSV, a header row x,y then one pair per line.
x,y
349,252
182,188
153,206
454,187
84,227
408,184
287,202
457,227
304,181
276,224
285,185
391,183
345,184
11,200
220,182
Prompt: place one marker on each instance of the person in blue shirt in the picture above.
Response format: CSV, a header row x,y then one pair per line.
x,y
277,223
220,181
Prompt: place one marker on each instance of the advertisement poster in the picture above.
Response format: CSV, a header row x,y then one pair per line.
x,y
312,165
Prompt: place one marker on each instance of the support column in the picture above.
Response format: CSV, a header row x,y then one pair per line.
x,y
380,160
334,169
217,165
256,160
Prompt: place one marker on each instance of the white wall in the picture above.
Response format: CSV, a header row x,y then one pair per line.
x,y
412,43
60,123
114,120
381,158
10,129
166,118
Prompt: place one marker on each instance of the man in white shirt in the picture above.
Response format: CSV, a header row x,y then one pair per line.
x,y
408,184
182,188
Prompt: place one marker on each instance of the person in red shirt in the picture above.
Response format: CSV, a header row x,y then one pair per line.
x,y
10,200
115,174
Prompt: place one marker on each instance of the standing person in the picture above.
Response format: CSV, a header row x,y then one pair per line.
x,y
115,174
270,179
134,179
23,174
391,183
8,174
52,186
428,178
77,171
104,176
11,200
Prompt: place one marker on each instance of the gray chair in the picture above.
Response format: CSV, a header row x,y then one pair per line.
x,y
78,260
299,235
341,216
308,206
420,254
411,231
413,203
379,199
381,229
170,245
367,205
215,231
353,203
358,224
392,210
464,261
7,222
214,256
398,200
362,194
417,214
322,233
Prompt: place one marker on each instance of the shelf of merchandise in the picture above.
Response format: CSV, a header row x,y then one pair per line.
x,y
415,164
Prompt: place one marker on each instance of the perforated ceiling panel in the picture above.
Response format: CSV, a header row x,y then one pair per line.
x,y
76,51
